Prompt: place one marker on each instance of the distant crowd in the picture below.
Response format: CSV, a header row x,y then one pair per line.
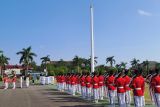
x,y
12,79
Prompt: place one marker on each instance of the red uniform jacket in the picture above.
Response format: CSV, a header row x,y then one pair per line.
x,y
138,84
78,79
62,79
95,82
73,80
14,79
5,79
128,81
70,80
120,83
83,81
155,83
110,83
88,81
67,79
101,80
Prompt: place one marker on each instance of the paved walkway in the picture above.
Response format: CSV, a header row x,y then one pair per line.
x,y
39,96
43,96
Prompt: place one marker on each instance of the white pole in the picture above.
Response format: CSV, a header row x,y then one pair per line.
x,y
92,40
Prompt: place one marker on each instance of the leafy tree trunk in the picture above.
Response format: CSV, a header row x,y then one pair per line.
x,y
26,71
111,64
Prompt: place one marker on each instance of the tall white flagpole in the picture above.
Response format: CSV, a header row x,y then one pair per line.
x,y
92,38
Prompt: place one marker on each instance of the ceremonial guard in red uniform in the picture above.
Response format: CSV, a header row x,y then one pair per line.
x,y
101,86
83,85
111,88
95,82
14,78
73,85
120,83
148,81
62,82
88,81
67,82
155,84
106,86
138,86
5,80
127,88
79,83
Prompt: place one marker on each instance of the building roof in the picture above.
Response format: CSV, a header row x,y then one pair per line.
x,y
17,67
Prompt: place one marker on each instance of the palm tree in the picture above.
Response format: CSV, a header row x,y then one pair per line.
x,y
110,60
123,65
135,63
77,61
95,60
3,62
44,62
146,65
26,57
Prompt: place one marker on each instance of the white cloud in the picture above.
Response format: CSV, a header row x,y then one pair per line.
x,y
144,13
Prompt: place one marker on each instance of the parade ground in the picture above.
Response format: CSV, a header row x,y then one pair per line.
x,y
39,96
43,96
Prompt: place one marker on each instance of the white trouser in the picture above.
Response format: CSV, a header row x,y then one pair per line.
x,y
106,92
6,85
62,86
112,94
96,94
21,82
128,97
70,88
83,91
157,99
73,90
67,85
121,99
58,86
139,101
76,88
101,93
89,92
79,88
27,83
14,85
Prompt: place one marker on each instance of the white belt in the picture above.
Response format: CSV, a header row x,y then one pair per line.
x,y
137,88
88,83
158,86
95,84
127,85
120,87
100,82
